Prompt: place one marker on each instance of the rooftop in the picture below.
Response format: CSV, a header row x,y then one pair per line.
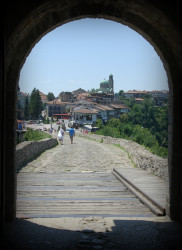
x,y
57,102
86,111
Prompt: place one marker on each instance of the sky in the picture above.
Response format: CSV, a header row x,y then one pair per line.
x,y
82,53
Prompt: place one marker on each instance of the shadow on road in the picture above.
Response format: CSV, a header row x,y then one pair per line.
x,y
125,234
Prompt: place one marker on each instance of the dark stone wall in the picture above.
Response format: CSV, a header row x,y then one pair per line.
x,y
25,22
28,150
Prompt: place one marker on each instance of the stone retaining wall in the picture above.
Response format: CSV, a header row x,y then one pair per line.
x,y
27,150
140,156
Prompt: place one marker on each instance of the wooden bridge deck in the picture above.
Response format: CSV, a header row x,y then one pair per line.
x,y
75,194
149,188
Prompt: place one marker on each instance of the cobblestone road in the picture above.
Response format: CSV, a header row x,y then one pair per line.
x,y
83,155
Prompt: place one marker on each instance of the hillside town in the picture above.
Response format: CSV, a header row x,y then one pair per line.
x,y
86,107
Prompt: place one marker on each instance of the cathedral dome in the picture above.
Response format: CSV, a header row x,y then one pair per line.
x,y
104,81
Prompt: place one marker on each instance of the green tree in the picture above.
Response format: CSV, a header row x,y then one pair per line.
x,y
126,130
109,131
35,106
50,96
143,114
121,94
129,102
114,122
124,118
92,90
143,136
99,123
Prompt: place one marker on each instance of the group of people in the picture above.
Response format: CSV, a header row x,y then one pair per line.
x,y
62,132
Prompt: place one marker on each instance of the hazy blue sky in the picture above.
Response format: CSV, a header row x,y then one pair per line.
x,y
83,53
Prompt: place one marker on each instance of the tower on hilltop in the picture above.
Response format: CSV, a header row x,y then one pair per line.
x,y
111,83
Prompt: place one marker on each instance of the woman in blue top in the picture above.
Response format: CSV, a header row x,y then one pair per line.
x,y
71,133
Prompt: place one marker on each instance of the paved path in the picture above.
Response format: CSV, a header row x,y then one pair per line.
x,y
77,180
82,156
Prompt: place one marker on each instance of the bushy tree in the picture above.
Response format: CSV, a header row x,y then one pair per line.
x,y
126,130
35,106
34,135
120,93
114,122
50,96
99,123
143,136
109,131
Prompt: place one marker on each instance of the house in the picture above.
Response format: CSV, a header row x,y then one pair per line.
x,y
56,107
82,96
83,115
21,103
67,97
135,94
102,111
43,97
101,97
159,97
78,91
21,96
119,109
105,112
159,94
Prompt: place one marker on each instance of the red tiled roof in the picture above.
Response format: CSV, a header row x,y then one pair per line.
x,y
136,92
82,95
118,106
139,99
86,111
57,102
104,107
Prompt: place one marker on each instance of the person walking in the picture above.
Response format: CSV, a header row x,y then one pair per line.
x,y
51,129
63,125
71,133
61,136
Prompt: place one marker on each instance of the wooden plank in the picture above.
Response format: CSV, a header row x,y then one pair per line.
x,y
149,188
54,195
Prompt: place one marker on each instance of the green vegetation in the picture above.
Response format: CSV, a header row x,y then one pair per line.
x,y
35,106
46,120
34,135
144,124
50,96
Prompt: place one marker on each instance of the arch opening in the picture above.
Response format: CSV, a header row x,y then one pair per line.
x,y
71,58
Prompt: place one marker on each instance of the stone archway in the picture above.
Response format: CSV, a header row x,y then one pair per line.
x,y
30,22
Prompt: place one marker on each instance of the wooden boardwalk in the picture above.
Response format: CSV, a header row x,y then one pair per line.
x,y
149,188
75,194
